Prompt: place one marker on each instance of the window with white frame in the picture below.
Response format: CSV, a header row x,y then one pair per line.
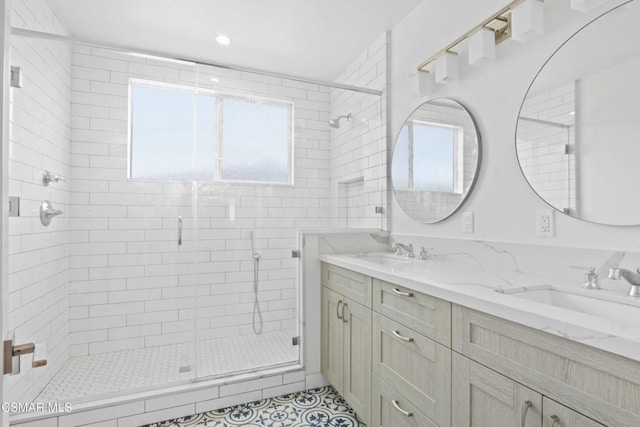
x,y
177,134
430,159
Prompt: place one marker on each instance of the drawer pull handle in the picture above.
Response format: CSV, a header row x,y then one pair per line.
x,y
338,309
525,408
404,294
402,411
555,419
344,318
397,334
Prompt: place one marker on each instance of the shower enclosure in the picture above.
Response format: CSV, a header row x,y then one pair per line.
x,y
183,188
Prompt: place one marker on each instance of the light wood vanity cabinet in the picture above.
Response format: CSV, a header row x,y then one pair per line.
x,y
421,361
424,314
487,398
346,337
407,361
600,385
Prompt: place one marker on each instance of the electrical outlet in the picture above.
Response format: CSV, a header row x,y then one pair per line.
x,y
467,222
544,223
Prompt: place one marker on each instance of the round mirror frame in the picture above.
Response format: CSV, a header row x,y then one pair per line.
x,y
478,148
522,105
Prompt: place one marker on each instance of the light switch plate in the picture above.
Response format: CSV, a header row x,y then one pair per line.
x,y
467,222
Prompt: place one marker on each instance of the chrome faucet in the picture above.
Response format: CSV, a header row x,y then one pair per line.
x,y
424,255
632,277
408,249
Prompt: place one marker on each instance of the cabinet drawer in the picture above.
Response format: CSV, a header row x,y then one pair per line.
x,y
424,314
601,385
386,414
563,416
417,367
352,285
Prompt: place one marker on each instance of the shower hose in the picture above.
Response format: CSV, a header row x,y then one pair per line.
x,y
256,307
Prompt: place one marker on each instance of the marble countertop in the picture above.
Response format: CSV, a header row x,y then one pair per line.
x,y
496,292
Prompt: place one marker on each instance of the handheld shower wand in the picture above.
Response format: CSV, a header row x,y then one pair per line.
x,y
257,314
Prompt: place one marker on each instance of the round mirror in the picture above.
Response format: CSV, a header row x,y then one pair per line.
x,y
577,132
435,160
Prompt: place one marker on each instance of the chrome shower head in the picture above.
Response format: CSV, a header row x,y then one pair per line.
x,y
336,122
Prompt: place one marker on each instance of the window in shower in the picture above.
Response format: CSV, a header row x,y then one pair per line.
x,y
255,140
433,158
179,135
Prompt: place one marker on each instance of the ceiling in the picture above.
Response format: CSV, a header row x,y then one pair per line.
x,y
315,39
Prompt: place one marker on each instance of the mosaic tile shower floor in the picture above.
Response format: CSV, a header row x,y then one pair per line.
x,y
317,407
85,377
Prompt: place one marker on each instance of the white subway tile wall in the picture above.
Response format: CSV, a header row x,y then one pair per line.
x,y
359,147
541,145
39,139
127,269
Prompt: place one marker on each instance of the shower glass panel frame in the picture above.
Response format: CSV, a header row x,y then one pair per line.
x,y
162,272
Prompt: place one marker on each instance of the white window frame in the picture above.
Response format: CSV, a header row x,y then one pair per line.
x,y
256,100
217,162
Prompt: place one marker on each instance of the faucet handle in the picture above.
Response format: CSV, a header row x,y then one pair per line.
x,y
410,253
424,255
591,279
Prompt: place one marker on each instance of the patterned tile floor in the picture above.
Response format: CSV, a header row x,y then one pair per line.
x,y
318,407
86,377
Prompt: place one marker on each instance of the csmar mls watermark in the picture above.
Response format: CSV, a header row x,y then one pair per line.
x,y
27,407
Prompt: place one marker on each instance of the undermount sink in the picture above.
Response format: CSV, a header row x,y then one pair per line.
x,y
622,313
382,259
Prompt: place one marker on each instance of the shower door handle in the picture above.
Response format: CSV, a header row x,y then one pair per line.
x,y
179,230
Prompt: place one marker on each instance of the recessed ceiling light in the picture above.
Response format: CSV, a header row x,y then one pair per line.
x,y
572,113
223,40
215,80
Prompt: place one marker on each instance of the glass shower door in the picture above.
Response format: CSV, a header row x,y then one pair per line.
x,y
103,283
247,304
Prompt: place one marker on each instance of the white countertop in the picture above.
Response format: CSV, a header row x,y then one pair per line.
x,y
480,289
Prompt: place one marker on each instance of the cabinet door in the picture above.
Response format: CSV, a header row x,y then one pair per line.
x,y
484,398
332,338
357,363
557,415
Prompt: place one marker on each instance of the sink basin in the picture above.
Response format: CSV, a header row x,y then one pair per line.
x,y
621,313
382,259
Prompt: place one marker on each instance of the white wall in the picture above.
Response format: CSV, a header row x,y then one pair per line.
x,y
503,203
39,139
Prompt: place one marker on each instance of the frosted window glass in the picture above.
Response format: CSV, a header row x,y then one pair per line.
x,y
433,158
162,134
177,135
255,141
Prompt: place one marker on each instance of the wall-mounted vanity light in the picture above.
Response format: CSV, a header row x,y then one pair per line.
x,y
527,20
447,67
482,46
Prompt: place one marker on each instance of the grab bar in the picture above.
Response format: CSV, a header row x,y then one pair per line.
x,y
180,230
